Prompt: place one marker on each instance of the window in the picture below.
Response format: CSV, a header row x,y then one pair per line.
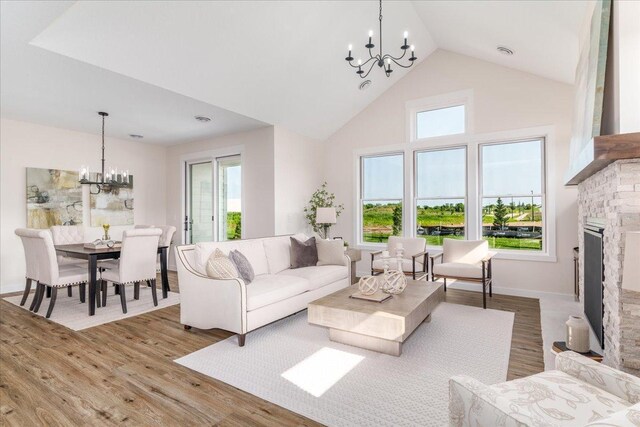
x,y
381,195
229,198
441,190
440,122
512,194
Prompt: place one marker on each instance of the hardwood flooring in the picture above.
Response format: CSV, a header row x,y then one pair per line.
x,y
123,372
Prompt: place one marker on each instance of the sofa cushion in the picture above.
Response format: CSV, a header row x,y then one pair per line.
x,y
629,417
319,276
407,264
330,252
219,266
269,289
556,396
458,269
278,251
252,249
242,265
303,254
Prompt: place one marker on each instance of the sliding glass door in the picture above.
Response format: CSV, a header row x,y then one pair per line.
x,y
213,194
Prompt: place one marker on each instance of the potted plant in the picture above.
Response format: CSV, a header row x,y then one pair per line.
x,y
321,198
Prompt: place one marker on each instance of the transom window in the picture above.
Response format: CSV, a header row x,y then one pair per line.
x,y
440,122
441,188
512,194
382,193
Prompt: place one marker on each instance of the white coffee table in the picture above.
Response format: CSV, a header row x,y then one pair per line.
x,y
381,327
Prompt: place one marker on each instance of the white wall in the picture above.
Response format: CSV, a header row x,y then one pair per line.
x,y
626,34
257,174
298,169
25,145
504,99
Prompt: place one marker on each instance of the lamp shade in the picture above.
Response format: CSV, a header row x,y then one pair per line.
x,y
326,216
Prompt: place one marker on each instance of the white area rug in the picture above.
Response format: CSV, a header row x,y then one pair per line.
x,y
69,312
554,312
294,365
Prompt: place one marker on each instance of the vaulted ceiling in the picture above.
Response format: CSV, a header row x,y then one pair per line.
x,y
250,63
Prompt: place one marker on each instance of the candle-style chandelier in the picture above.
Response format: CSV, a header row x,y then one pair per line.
x,y
382,60
105,180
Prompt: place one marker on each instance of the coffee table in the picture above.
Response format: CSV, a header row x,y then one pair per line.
x,y
381,327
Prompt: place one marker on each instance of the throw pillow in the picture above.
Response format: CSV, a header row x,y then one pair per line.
x,y
303,254
245,270
330,252
219,266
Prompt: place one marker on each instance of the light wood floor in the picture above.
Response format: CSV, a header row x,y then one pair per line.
x,y
123,372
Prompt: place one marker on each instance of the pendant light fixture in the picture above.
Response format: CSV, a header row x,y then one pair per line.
x,y
381,60
108,178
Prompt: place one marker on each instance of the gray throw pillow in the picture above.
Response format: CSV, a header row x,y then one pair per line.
x,y
245,270
303,254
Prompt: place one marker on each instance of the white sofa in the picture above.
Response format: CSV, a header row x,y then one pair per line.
x,y
580,392
276,292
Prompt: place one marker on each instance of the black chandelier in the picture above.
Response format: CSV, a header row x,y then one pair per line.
x,y
112,178
382,60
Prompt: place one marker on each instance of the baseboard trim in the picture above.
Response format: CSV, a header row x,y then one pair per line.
x,y
475,287
13,287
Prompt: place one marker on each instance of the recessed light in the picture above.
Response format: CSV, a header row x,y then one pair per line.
x,y
364,85
505,50
203,119
136,136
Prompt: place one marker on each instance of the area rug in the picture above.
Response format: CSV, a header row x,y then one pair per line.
x,y
69,312
296,366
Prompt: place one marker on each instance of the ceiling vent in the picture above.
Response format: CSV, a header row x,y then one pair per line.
x,y
505,50
203,119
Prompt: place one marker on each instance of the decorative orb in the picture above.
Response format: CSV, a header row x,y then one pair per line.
x,y
394,282
368,285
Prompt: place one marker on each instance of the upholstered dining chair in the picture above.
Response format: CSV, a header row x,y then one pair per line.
x,y
28,236
414,257
50,275
466,260
137,263
166,237
68,235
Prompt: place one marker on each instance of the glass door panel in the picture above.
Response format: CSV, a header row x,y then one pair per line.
x,y
200,224
229,198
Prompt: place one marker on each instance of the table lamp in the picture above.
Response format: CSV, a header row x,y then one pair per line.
x,y
326,217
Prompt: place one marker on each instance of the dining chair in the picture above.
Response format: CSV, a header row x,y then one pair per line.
x,y
166,237
137,263
69,235
28,236
50,275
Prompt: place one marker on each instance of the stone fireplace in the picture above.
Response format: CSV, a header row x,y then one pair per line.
x,y
612,196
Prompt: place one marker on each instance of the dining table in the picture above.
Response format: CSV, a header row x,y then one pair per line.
x,y
79,251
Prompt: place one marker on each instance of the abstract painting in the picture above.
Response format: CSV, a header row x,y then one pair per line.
x,y
112,205
590,82
54,197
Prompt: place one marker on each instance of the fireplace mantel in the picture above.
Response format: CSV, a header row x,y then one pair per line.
x,y
602,151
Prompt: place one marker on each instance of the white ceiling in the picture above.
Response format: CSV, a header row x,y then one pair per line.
x,y
544,34
43,87
278,62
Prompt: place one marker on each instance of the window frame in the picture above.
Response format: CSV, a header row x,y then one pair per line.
x,y
361,199
542,195
414,172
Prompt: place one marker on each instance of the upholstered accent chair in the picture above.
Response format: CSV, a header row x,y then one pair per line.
x,y
137,263
467,260
580,392
414,257
49,274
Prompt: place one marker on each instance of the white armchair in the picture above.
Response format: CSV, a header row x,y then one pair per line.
x,y
414,257
468,260
580,392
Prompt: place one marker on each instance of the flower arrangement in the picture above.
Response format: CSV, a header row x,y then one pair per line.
x,y
321,198
105,227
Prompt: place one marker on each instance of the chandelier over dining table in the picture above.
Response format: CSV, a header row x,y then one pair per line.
x,y
382,60
109,176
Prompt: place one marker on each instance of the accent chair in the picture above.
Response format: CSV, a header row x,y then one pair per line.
x,y
467,260
414,257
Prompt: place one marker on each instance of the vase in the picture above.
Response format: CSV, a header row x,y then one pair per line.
x,y
578,334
